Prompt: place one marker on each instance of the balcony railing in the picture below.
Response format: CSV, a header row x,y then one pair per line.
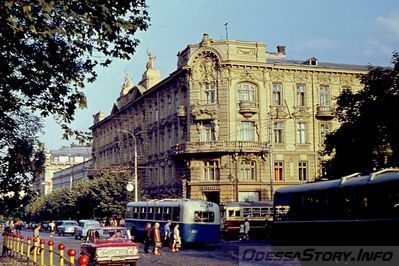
x,y
248,108
325,112
219,146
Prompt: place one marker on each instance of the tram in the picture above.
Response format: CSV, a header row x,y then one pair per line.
x,y
356,209
258,213
199,221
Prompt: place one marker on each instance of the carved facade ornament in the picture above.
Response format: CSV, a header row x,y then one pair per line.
x,y
151,59
207,70
206,41
323,78
277,76
301,112
279,112
346,80
203,113
245,51
302,78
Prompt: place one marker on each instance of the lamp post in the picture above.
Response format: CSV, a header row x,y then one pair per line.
x,y
135,165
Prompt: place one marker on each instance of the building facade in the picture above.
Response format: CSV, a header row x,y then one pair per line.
x,y
232,123
67,177
57,160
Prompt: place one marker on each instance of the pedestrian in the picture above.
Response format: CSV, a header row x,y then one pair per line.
x,y
52,228
246,229
122,222
36,235
157,239
18,226
241,233
176,239
167,234
147,237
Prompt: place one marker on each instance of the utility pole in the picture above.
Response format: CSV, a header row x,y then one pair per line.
x,y
136,184
227,34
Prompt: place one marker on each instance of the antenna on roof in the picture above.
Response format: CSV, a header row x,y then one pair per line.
x,y
227,34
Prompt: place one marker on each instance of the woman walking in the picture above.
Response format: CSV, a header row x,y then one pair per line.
x,y
157,239
176,239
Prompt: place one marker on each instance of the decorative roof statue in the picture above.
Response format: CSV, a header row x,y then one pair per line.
x,y
151,59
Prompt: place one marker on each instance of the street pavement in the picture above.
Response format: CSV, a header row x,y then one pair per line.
x,y
221,254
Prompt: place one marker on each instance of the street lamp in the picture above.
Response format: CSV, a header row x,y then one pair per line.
x,y
129,185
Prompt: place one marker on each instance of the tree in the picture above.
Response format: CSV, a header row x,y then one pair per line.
x,y
49,50
368,137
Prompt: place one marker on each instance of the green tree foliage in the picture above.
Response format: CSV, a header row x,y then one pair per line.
x,y
48,51
104,196
368,137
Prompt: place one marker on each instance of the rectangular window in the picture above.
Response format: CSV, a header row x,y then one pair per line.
x,y
278,132
211,171
325,129
248,170
278,171
303,170
167,213
324,96
208,131
158,213
246,92
277,99
248,196
176,214
203,216
150,213
176,101
301,133
300,95
247,131
210,93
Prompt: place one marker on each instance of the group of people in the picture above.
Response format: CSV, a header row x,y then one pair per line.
x,y
168,238
11,226
244,230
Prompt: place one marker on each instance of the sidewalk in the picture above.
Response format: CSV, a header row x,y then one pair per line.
x,y
10,261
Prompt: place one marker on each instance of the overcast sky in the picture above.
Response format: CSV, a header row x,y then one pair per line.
x,y
339,31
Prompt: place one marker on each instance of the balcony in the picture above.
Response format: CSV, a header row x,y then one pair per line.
x,y
324,112
219,147
248,108
205,110
181,111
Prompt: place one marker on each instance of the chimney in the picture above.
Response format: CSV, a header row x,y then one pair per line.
x,y
281,49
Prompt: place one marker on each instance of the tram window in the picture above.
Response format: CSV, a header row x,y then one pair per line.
x,y
256,212
206,217
129,212
246,212
136,213
264,212
150,213
238,213
231,213
143,212
158,213
176,214
167,213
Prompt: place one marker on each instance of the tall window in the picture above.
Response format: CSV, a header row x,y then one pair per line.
x,y
246,92
211,171
277,94
176,101
301,133
247,131
208,131
210,93
325,128
278,171
278,132
303,170
324,96
300,95
248,170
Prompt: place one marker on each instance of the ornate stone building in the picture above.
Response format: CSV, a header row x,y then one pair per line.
x,y
208,129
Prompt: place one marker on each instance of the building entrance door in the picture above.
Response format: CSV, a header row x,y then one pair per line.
x,y
212,196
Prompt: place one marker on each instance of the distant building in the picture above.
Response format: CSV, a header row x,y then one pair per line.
x,y
57,160
205,131
67,177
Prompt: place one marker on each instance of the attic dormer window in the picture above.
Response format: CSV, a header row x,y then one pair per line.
x,y
312,61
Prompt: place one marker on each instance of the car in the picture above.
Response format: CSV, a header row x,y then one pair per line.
x,y
110,245
67,227
84,225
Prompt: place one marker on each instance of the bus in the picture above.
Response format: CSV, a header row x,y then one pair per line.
x,y
356,209
199,221
258,213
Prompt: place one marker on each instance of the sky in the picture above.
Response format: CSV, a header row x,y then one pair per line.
x,y
338,31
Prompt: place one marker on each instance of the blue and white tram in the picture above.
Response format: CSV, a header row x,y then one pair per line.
x,y
199,221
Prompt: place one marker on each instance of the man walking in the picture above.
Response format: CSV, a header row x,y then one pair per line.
x,y
246,229
167,233
147,237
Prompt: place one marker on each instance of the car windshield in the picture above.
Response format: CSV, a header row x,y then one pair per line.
x,y
111,234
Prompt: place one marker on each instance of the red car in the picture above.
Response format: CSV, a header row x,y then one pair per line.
x,y
110,245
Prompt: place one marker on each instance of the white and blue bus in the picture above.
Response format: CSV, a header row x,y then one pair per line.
x,y
199,221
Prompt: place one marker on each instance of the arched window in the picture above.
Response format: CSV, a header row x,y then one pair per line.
x,y
246,92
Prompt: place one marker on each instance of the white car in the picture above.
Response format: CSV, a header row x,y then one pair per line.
x,y
67,227
84,226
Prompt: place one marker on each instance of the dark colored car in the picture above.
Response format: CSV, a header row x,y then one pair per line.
x,y
110,245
